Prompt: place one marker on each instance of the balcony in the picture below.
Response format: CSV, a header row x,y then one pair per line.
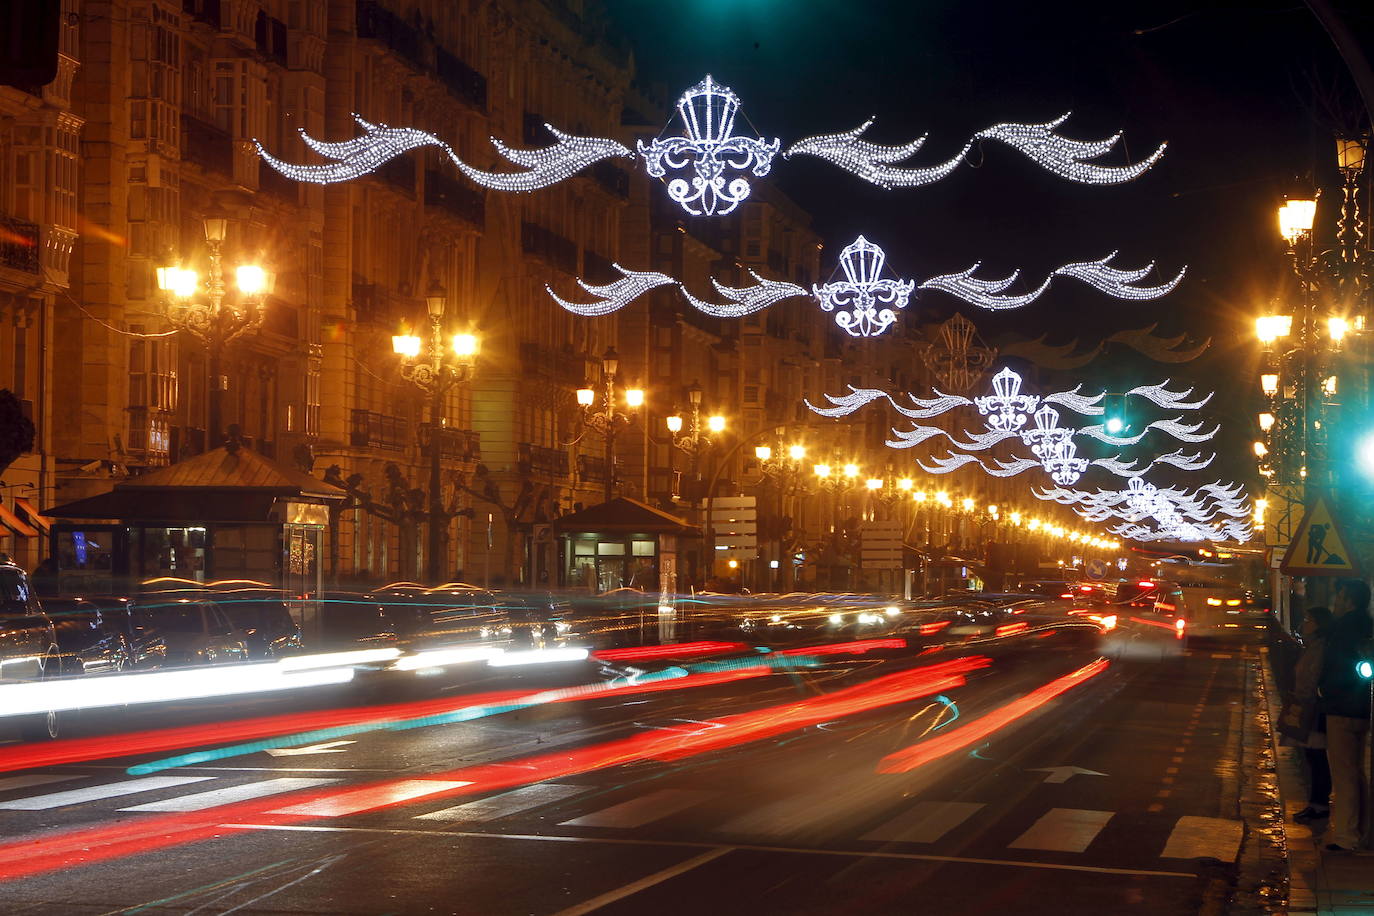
x,y
557,251
546,462
374,430
386,27
207,146
455,198
462,444
19,245
591,467
462,81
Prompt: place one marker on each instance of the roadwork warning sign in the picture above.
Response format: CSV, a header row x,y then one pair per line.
x,y
1319,547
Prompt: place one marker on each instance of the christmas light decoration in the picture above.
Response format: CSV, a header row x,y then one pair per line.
x,y
711,149
1007,411
1064,157
1215,511
613,296
873,162
746,300
380,144
1098,274
868,296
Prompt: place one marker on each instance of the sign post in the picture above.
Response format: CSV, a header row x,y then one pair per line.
x,y
1319,546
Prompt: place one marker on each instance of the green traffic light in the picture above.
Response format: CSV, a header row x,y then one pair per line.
x,y
1365,669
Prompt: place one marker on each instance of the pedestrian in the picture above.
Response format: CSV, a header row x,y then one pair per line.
x,y
1302,724
1344,698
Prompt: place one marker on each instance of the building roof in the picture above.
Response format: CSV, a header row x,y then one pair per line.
x,y
221,485
626,515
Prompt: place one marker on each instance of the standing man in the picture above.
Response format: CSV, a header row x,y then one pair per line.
x,y
1345,700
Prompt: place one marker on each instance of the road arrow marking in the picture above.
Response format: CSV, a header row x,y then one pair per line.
x,y
1064,774
331,747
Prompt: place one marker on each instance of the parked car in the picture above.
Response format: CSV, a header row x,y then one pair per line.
x,y
28,643
188,629
96,635
354,620
447,615
261,612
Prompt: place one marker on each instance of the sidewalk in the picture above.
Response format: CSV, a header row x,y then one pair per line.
x,y
1319,882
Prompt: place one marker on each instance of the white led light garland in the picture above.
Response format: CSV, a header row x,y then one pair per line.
x,y
713,160
613,296
865,298
1011,414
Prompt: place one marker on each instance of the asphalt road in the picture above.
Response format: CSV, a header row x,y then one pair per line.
x,y
1022,775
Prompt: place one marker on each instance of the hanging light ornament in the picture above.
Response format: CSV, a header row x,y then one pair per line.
x,y
1215,511
1006,412
718,158
864,297
711,149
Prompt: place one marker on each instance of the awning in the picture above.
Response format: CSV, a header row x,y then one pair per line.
x,y
31,511
16,524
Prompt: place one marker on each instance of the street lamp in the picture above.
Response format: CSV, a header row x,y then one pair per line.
x,y
215,317
694,443
608,420
435,368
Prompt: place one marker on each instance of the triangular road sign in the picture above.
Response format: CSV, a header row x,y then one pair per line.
x,y
1320,547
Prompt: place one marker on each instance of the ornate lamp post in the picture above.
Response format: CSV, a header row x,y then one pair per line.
x,y
606,420
694,443
435,368
213,314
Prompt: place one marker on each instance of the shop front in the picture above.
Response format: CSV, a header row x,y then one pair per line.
x,y
227,514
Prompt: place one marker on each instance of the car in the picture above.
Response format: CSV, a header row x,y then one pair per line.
x,y
96,634
188,629
354,620
262,614
28,644
453,614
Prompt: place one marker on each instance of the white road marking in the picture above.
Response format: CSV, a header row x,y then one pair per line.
x,y
685,844
1064,774
1063,830
95,793
1204,837
640,811
199,801
924,823
505,804
36,779
370,797
329,747
634,887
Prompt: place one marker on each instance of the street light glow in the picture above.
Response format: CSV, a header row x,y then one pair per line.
x,y
1266,421
465,345
177,281
634,397
1337,327
252,279
875,483
821,470
1260,449
674,423
763,452
851,470
906,483
407,345
1295,219
1269,328
1365,455
715,424
585,397
1269,383
796,452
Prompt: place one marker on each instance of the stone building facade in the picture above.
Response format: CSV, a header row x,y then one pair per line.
x,y
110,171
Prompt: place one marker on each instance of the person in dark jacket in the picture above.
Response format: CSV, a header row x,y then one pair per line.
x,y
1344,699
1303,707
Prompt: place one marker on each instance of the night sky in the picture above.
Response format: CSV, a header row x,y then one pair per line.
x,y
1247,97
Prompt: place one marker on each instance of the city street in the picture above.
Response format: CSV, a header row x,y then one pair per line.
x,y
1128,791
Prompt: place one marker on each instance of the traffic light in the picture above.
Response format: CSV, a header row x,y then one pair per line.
x,y
1114,419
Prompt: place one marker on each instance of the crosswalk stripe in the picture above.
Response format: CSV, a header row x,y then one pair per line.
x,y
36,779
95,793
1063,830
1204,838
199,801
505,804
640,811
924,823
365,799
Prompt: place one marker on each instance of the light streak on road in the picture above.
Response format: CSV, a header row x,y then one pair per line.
x,y
919,755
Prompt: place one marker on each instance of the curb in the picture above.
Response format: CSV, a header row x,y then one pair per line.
x,y
1305,873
